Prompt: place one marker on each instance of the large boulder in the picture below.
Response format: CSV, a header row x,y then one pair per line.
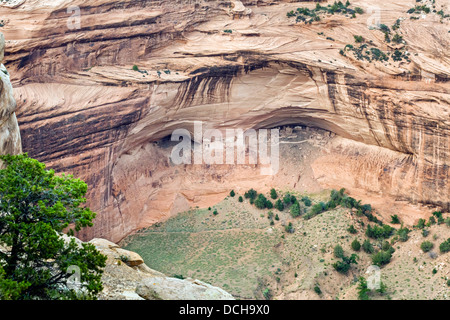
x,y
159,288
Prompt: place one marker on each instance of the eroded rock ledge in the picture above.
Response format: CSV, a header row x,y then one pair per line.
x,y
10,142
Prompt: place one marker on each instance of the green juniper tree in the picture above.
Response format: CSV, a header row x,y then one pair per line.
x,y
36,207
273,193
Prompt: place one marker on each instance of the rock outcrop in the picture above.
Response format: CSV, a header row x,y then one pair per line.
x,y
10,142
83,109
127,277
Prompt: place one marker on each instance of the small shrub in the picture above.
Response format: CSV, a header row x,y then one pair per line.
x,y
377,232
287,199
431,221
381,258
403,234
367,247
317,289
397,38
267,294
363,290
232,194
356,245
338,251
261,201
352,229
279,205
295,210
426,246
250,194
273,194
289,228
307,201
240,199
445,246
420,224
395,219
359,39
447,222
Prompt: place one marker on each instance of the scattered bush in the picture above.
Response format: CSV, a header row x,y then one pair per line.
x,y
420,224
317,289
250,194
381,258
368,247
287,199
356,245
295,210
403,234
338,251
352,229
377,232
359,39
273,194
344,265
261,201
426,246
397,38
310,15
395,219
447,222
445,246
307,201
279,205
363,291
232,194
289,228
431,221
267,294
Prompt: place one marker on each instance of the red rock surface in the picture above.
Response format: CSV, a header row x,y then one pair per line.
x,y
83,110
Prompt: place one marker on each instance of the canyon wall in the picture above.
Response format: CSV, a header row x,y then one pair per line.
x,y
83,109
10,142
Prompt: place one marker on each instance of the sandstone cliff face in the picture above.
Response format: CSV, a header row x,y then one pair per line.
x,y
9,130
82,108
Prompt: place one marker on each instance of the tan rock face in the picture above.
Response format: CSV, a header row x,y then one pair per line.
x,y
9,130
159,288
82,108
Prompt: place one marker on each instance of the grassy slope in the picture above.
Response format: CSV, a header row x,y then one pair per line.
x,y
239,251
